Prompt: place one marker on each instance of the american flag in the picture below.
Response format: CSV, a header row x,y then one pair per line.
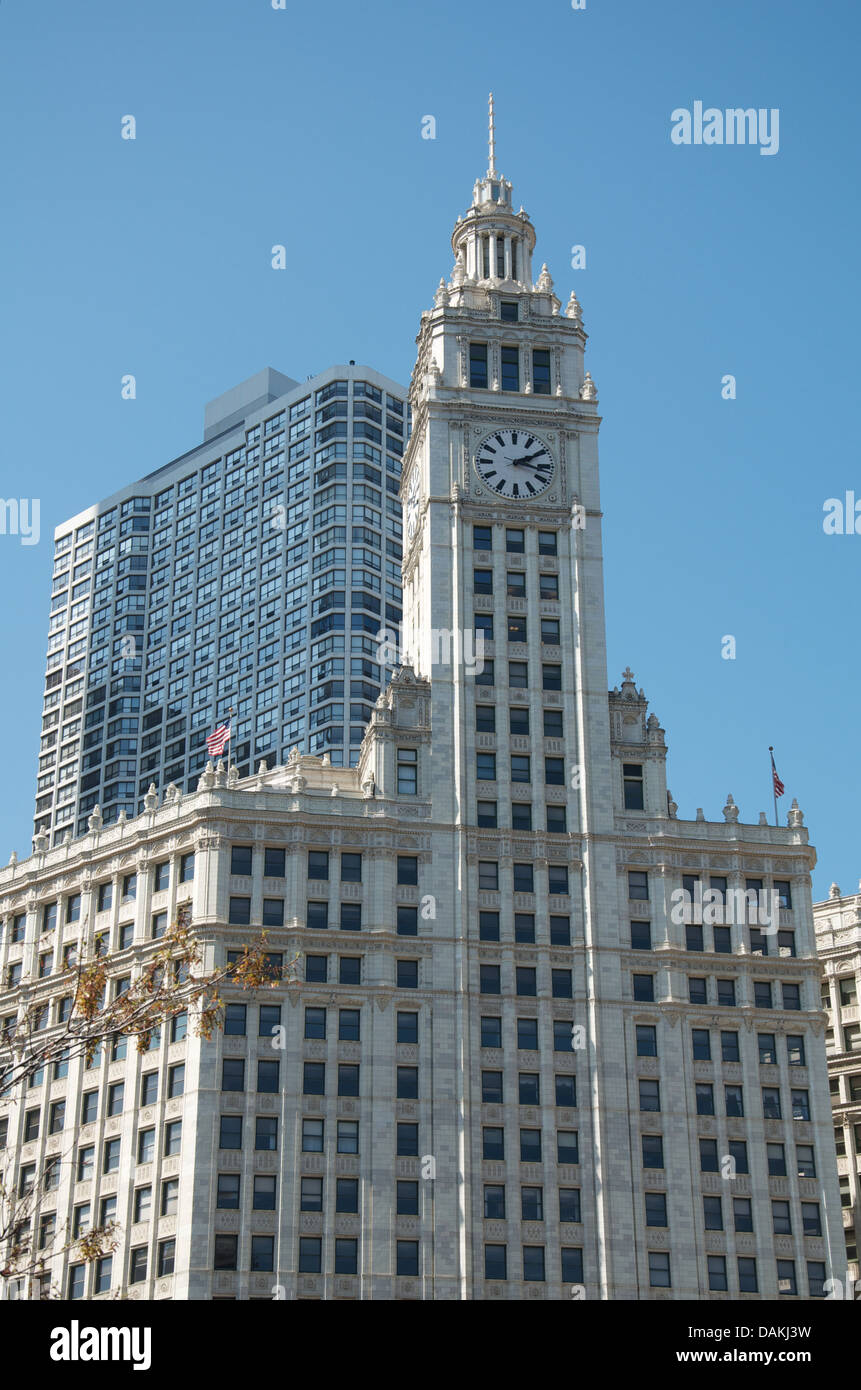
x,y
217,742
778,785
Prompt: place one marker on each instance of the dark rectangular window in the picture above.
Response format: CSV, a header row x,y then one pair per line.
x,y
230,1134
273,912
491,1030
653,1150
318,864
267,1075
347,1194
478,364
408,921
273,863
495,1264
239,913
541,371
524,927
266,1132
408,1029
408,869
407,1139
567,1146
524,878
510,368
351,868
317,916
488,926
226,1249
407,772
641,936
234,1019
492,1142
351,917
232,1074
240,859
349,970
407,974
632,778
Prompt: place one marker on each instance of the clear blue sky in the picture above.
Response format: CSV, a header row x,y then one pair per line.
x,y
302,127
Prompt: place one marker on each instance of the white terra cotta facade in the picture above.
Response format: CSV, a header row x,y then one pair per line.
x,y
838,940
524,1127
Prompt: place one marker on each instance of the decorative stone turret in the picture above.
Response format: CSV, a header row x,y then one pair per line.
x,y
573,309
492,243
206,778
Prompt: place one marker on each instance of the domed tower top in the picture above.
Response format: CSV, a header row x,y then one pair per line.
x,y
492,243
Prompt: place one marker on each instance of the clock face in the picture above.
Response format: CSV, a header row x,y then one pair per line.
x,y
413,505
515,463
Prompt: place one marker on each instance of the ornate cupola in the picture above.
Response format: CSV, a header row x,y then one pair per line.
x,y
492,243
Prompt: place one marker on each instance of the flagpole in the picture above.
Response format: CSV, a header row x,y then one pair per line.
x,y
773,787
229,734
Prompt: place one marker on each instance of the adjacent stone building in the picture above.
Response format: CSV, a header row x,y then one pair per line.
x,y
838,939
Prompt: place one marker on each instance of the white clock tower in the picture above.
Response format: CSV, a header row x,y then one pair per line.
x,y
500,481
503,536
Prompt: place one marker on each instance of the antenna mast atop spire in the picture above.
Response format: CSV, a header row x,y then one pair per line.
x,y
491,168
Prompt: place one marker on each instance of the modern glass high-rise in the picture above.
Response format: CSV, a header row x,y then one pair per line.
x,y
253,572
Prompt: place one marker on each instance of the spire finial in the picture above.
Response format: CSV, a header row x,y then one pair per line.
x,y
491,168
